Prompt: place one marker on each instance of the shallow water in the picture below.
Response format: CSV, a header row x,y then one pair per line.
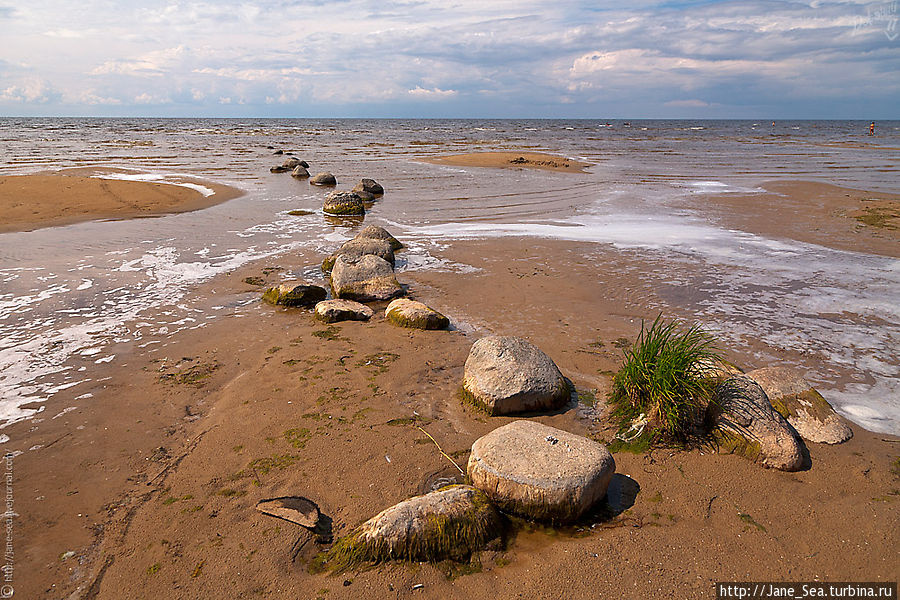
x,y
69,293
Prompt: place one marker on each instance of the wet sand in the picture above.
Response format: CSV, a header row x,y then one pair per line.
x,y
512,160
30,202
152,482
818,213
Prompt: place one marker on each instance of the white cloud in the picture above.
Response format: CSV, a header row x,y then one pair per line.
x,y
693,103
432,94
31,90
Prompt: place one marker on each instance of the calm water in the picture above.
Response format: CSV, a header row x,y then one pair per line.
x,y
69,293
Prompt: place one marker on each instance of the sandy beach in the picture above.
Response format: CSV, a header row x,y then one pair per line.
x,y
148,490
29,202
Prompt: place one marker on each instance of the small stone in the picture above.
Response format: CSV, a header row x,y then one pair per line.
x,y
369,185
332,311
746,424
367,279
323,178
279,169
295,509
414,315
540,472
295,293
506,375
300,172
343,203
802,405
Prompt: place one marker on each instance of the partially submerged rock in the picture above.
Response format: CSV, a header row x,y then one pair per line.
x,y
358,247
540,472
451,523
291,163
332,311
279,169
379,233
369,185
415,315
323,178
745,423
343,203
804,407
300,172
506,375
295,509
295,293
366,279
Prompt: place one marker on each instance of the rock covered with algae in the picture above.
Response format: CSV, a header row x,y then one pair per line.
x,y
414,315
450,523
802,405
295,293
745,423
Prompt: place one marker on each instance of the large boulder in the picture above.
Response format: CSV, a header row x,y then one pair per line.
x,y
745,423
323,178
415,315
804,407
366,279
300,172
540,472
343,203
295,293
369,185
506,375
450,523
332,311
375,232
358,247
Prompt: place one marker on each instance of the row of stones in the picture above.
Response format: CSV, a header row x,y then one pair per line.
x,y
337,203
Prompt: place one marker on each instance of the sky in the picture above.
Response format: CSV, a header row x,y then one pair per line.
x,y
456,58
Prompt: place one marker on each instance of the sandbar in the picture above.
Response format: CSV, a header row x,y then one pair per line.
x,y
511,160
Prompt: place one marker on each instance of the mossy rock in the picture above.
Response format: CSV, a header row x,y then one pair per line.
x,y
343,203
414,315
452,523
802,405
745,423
301,213
295,293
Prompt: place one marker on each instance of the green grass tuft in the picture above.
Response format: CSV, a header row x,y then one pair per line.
x,y
666,376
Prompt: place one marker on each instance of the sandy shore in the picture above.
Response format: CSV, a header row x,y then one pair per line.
x,y
512,160
817,213
30,202
151,484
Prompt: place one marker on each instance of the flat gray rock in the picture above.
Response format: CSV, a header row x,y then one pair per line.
x,y
295,293
507,375
379,233
366,279
540,472
323,178
295,509
358,247
450,523
414,315
746,424
332,311
343,203
804,407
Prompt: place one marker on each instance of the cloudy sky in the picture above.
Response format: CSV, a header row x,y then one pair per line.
x,y
454,58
